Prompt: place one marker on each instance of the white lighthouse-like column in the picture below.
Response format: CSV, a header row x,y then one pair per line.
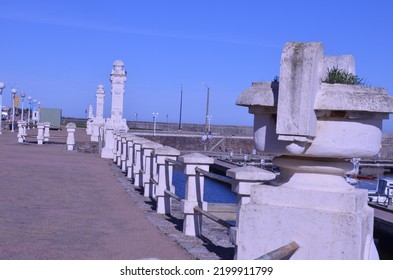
x,y
99,120
116,121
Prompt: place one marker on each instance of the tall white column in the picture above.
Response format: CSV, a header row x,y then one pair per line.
x,y
116,121
98,121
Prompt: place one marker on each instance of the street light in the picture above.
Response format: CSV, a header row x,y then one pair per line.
x,y
181,105
28,112
155,115
23,95
13,92
207,107
2,86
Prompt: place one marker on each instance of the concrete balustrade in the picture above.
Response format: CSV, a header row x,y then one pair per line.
x,y
148,167
192,224
243,178
164,177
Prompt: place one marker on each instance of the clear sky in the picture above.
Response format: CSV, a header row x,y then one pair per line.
x,y
59,51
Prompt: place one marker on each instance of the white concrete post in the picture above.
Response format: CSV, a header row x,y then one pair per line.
x,y
70,136
117,148
46,131
109,141
192,224
147,167
136,166
242,179
130,154
40,134
164,178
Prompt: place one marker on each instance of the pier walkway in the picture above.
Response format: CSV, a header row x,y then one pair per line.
x,y
59,204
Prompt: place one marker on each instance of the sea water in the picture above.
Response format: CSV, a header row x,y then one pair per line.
x,y
215,192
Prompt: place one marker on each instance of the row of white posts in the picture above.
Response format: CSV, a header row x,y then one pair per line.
x,y
150,166
43,134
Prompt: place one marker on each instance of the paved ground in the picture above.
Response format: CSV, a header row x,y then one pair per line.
x,y
57,204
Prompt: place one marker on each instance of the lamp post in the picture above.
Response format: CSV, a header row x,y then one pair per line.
x,y
13,92
2,86
155,115
22,95
28,112
207,107
181,106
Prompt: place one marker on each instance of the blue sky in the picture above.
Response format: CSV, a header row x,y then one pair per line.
x,y
59,51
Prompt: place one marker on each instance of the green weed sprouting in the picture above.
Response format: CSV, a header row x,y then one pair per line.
x,y
340,76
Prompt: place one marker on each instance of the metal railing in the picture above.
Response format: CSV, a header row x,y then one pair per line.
x,y
175,162
173,195
212,217
214,176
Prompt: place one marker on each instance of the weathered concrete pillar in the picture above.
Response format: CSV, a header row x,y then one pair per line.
x,y
164,178
243,178
148,166
46,131
40,133
315,126
194,192
137,160
70,136
21,131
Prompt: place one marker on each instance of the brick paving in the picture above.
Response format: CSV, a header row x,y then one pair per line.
x,y
59,204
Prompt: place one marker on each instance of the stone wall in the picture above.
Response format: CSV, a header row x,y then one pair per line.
x,y
194,143
386,147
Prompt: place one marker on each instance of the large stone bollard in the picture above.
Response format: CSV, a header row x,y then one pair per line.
x,y
164,178
40,133
109,141
315,126
243,179
192,224
70,136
